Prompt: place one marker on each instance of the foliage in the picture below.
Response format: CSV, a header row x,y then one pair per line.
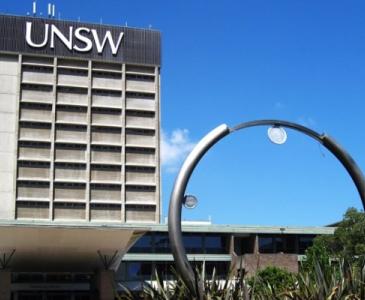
x,y
349,238
272,278
341,281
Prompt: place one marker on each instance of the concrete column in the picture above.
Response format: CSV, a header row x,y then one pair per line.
x,y
256,249
5,285
105,284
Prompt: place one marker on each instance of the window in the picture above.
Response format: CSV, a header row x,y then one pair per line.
x,y
215,244
143,244
266,244
193,243
291,244
148,96
138,270
161,243
140,188
304,243
279,244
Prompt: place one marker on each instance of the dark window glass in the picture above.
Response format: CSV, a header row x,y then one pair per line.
x,y
215,244
59,277
58,296
291,244
29,296
244,244
143,245
279,243
139,270
161,243
193,243
266,245
28,277
304,243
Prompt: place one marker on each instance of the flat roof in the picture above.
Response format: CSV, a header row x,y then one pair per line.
x,y
207,228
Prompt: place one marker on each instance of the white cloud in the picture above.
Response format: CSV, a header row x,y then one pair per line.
x,y
307,121
174,148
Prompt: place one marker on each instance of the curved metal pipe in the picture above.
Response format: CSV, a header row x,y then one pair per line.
x,y
207,142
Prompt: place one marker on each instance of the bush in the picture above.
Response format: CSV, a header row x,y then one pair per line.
x,y
272,279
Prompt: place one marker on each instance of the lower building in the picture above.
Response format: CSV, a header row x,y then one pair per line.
x,y
220,247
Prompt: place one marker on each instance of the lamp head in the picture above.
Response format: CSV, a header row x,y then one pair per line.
x,y
190,201
277,135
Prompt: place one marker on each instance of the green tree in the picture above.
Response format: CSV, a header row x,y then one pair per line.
x,y
348,240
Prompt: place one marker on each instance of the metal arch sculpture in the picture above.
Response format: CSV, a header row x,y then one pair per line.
x,y
208,141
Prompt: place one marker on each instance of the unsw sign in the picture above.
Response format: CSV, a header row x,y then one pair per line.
x,y
81,34
75,39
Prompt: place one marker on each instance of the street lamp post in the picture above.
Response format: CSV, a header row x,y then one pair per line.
x,y
178,197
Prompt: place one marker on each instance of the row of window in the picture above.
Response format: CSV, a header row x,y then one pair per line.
x,y
78,205
80,127
45,184
47,145
82,166
140,271
284,243
83,109
43,61
158,242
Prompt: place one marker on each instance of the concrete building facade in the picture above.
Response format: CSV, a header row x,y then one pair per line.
x,y
79,147
79,137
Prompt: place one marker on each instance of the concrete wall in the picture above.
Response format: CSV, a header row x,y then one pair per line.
x,y
68,77
60,109
105,194
140,197
107,100
69,116
34,153
72,155
106,214
108,138
33,192
9,78
44,96
100,82
99,156
64,134
64,97
146,159
140,121
140,140
41,75
137,214
99,118
34,134
140,85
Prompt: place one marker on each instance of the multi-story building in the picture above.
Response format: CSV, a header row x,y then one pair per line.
x,y
79,142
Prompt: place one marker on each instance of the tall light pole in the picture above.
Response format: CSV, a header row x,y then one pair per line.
x,y
178,197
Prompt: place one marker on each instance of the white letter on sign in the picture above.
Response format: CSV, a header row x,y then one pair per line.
x,y
108,36
28,36
64,40
88,43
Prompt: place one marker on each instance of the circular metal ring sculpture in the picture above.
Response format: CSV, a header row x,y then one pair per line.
x,y
178,192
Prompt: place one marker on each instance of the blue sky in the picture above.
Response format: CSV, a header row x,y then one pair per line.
x,y
234,61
